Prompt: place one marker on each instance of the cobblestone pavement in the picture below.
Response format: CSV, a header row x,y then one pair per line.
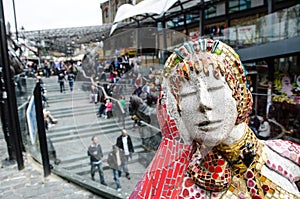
x,y
31,183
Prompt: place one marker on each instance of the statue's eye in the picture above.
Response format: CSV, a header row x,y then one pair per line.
x,y
184,94
218,87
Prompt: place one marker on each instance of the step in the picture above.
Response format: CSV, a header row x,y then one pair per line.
x,y
73,158
74,113
101,125
58,99
83,134
72,107
54,95
87,169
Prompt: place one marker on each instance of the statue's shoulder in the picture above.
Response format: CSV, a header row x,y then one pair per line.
x,y
285,148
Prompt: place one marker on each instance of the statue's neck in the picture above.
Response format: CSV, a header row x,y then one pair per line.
x,y
236,135
242,153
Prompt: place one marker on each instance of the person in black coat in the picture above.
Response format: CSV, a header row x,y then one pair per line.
x,y
124,142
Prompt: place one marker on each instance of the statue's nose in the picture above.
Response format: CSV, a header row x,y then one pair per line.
x,y
205,101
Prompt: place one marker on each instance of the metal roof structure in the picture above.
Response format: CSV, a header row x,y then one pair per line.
x,y
64,40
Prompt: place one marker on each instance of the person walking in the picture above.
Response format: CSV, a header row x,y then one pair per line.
x,y
96,155
71,78
124,142
115,160
61,80
47,68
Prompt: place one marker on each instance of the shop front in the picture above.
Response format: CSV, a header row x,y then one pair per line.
x,y
276,91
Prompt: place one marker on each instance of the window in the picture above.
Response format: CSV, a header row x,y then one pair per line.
x,y
210,12
238,5
106,13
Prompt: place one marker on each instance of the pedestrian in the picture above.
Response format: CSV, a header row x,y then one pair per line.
x,y
138,85
122,102
71,78
47,68
264,131
102,107
103,77
61,80
94,94
108,109
73,69
43,91
96,155
115,160
124,142
254,122
49,120
122,113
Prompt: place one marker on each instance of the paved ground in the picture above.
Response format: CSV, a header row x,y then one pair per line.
x,y
30,183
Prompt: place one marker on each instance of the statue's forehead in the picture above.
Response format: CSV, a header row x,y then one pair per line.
x,y
200,81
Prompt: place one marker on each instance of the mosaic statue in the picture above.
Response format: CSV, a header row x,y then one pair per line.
x,y
207,149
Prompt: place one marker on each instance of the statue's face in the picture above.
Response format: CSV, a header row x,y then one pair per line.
x,y
208,111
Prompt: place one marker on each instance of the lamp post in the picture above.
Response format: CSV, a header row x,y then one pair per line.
x,y
23,41
16,26
102,41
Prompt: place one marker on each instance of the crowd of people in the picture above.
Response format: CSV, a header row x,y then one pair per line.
x,y
120,79
66,73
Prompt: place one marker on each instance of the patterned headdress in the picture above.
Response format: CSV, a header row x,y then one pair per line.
x,y
196,57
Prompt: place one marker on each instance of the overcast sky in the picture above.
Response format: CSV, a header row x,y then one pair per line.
x,y
51,14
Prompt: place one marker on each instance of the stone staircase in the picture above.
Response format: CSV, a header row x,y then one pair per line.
x,y
77,123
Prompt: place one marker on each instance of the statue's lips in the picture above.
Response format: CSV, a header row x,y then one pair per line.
x,y
209,125
204,123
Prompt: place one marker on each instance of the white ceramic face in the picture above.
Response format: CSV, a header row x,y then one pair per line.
x,y
209,111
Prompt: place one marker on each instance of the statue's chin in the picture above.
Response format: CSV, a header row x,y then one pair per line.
x,y
206,143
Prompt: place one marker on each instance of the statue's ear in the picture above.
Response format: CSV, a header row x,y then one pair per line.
x,y
298,184
12,70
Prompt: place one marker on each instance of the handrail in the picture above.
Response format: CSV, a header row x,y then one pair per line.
x,y
23,105
151,126
283,130
273,95
107,96
104,92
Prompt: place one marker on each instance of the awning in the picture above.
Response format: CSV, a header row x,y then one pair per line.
x,y
146,7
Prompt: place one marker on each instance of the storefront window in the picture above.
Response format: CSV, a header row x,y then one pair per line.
x,y
192,17
179,20
286,90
